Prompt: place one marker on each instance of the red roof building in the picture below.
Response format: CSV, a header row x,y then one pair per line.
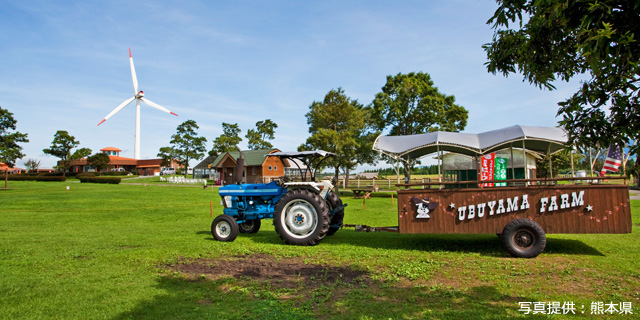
x,y
12,170
145,167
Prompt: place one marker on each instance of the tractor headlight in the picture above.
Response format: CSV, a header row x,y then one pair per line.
x,y
226,201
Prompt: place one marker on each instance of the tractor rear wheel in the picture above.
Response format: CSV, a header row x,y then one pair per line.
x,y
224,228
301,217
249,226
336,220
523,238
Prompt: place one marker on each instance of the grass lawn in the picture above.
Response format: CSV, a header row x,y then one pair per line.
x,y
146,252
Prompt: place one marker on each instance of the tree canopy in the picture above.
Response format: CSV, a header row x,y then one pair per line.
x,y
32,164
554,40
99,160
340,125
411,104
167,154
228,140
185,144
61,147
257,139
10,150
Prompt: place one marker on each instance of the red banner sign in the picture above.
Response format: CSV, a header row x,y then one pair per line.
x,y
487,166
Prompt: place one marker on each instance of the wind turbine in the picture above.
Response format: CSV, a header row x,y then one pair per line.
x,y
137,95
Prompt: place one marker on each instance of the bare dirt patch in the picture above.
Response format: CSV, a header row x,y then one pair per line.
x,y
280,272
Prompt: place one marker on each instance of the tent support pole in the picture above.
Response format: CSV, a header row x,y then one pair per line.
x,y
398,169
439,164
573,173
524,160
550,166
513,167
476,159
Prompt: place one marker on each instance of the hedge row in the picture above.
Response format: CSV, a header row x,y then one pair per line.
x,y
94,179
113,173
21,177
59,174
50,178
85,175
24,177
100,174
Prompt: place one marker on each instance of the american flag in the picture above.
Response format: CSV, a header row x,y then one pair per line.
x,y
613,161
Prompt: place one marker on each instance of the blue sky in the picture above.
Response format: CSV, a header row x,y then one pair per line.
x,y
65,65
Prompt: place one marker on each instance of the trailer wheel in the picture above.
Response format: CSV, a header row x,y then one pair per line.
x,y
301,218
523,238
249,226
336,221
224,228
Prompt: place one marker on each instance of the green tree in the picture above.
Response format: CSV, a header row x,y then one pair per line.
x,y
228,140
257,139
632,169
10,150
411,104
562,39
560,161
61,147
32,164
100,161
185,144
167,154
339,125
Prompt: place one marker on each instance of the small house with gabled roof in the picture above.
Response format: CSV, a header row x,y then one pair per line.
x,y
259,167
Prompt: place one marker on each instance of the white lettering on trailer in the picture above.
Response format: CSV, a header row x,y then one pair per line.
x,y
550,203
491,204
553,204
525,202
500,206
547,204
472,212
512,204
461,213
481,210
543,204
576,200
564,201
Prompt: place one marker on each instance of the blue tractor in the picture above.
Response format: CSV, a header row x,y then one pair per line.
x,y
303,212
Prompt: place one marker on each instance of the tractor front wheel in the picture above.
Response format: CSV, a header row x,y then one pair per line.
x,y
301,217
250,226
224,228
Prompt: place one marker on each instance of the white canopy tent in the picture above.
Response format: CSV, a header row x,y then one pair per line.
x,y
542,140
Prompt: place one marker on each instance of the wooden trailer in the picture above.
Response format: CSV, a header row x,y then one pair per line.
x,y
520,211
521,216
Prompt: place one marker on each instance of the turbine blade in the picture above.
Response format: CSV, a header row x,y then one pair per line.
x,y
133,74
118,108
153,104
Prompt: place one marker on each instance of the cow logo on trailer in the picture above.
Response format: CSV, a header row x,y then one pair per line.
x,y
424,206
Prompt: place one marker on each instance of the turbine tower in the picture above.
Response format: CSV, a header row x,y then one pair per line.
x,y
138,96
